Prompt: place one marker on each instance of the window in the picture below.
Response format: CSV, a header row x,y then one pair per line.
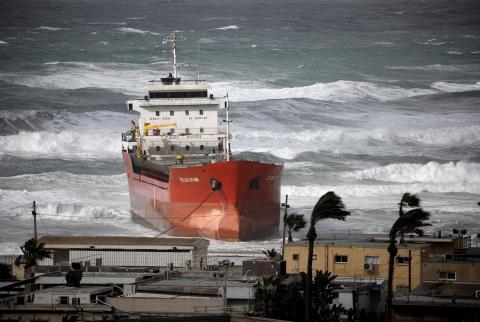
x,y
201,130
402,260
172,147
187,112
75,301
172,130
171,113
341,259
371,260
157,113
187,147
447,276
314,257
187,131
201,112
63,299
296,257
157,148
202,147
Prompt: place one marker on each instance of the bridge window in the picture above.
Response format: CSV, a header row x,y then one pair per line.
x,y
187,147
172,147
201,130
187,112
157,113
171,113
157,148
202,147
201,112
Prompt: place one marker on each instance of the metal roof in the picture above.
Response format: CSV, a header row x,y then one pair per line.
x,y
124,240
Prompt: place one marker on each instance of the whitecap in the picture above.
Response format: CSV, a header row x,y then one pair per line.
x,y
49,28
455,87
3,42
136,31
229,27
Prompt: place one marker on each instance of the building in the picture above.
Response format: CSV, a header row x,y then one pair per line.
x,y
360,257
58,304
119,251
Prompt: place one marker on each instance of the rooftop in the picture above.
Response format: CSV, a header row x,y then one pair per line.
x,y
123,240
358,240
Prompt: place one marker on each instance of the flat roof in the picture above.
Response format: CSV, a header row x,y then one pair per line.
x,y
124,240
62,289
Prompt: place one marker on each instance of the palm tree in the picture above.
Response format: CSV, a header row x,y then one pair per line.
x,y
407,222
294,222
32,253
329,206
270,253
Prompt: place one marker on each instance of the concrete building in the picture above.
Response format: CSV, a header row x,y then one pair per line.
x,y
125,251
360,257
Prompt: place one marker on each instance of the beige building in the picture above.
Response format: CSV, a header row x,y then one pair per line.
x,y
361,257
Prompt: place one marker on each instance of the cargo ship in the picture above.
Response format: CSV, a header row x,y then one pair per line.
x,y
182,177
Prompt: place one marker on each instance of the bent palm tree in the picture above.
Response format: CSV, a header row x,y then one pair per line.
x,y
329,206
407,222
294,222
33,252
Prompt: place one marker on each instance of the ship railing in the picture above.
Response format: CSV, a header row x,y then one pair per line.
x,y
183,81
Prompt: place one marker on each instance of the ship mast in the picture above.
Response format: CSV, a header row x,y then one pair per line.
x,y
227,141
174,52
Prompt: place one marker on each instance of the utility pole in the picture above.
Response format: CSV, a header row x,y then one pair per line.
x,y
409,270
285,207
34,213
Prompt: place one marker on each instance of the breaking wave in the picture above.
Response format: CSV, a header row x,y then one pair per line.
x,y
3,42
358,190
66,145
339,91
461,172
130,79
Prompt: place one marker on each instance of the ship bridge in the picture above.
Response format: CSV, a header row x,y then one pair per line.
x,y
178,118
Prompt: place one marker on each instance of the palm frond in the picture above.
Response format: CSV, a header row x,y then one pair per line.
x,y
410,200
329,206
411,221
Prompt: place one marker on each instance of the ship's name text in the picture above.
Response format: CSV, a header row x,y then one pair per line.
x,y
189,179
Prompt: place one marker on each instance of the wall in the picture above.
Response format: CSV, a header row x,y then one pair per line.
x,y
166,305
465,271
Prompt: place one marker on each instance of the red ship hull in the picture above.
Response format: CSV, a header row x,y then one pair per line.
x,y
243,205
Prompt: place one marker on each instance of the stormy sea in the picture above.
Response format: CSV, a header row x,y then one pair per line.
x,y
367,98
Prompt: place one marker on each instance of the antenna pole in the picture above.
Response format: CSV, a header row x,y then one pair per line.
x,y
34,213
227,148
